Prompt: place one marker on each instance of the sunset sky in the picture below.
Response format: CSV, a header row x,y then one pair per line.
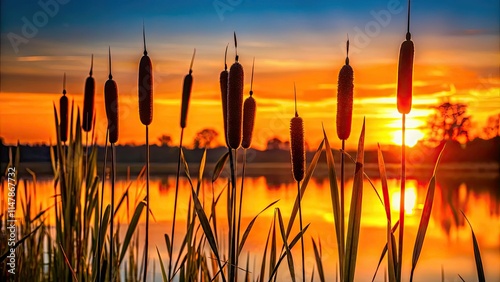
x,y
457,55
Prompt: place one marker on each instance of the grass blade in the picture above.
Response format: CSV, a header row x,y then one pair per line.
x,y
354,224
334,194
219,166
477,253
289,257
163,272
424,220
319,263
205,224
131,229
250,225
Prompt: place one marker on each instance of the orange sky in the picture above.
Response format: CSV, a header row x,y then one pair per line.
x,y
456,63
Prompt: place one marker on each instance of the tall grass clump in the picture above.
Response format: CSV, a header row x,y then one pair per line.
x,y
145,89
345,91
111,102
404,100
186,96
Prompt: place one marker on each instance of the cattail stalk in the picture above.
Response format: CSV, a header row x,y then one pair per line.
x,y
249,108
234,134
404,101
63,113
186,95
145,89
297,150
111,101
345,92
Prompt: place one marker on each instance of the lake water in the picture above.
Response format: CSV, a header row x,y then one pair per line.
x,y
448,243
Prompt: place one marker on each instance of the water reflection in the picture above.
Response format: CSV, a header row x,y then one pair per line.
x,y
448,241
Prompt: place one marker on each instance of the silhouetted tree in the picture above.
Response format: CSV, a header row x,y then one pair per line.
x,y
276,144
165,140
205,138
450,122
492,128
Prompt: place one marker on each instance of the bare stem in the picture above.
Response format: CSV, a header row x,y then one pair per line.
x,y
301,230
113,176
402,198
147,207
99,243
342,204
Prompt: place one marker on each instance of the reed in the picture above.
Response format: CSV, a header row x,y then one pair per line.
x,y
145,89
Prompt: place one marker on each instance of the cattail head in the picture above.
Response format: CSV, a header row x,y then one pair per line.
x,y
249,108
235,102
405,72
145,86
111,102
297,145
186,93
63,113
88,100
345,91
223,91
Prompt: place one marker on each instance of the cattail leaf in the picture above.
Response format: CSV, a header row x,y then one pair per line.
x,y
353,227
131,229
250,225
305,182
264,256
319,262
425,218
219,166
477,253
334,194
163,272
205,224
391,245
272,255
289,257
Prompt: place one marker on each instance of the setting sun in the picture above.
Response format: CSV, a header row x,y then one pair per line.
x,y
412,137
410,200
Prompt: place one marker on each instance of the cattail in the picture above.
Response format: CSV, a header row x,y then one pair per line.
x,y
145,86
345,99
249,108
88,99
297,144
405,72
186,93
234,102
63,113
111,101
223,91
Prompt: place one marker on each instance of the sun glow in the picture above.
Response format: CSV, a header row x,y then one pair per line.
x,y
412,137
410,200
